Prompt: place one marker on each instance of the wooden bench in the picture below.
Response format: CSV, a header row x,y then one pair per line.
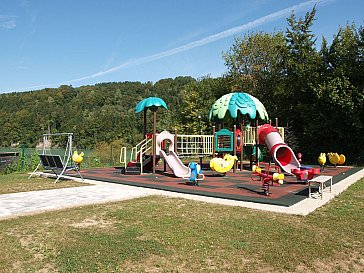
x,y
55,164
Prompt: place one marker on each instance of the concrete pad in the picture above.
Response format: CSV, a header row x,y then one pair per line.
x,y
23,203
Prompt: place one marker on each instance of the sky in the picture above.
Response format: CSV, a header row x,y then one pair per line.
x,y
47,43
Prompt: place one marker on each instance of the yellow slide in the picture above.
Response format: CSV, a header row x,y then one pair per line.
x,y
223,165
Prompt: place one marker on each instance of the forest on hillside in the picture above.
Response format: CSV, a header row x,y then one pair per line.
x,y
103,112
317,93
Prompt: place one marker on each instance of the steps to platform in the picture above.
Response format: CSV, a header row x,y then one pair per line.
x,y
133,170
130,170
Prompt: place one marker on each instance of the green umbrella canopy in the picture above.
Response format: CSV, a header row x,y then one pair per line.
x,y
152,102
237,105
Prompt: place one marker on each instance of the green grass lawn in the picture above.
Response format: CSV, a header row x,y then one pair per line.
x,y
11,183
160,234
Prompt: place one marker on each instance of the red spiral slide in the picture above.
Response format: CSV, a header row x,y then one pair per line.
x,y
281,153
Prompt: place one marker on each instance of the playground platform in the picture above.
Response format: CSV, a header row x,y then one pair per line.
x,y
233,186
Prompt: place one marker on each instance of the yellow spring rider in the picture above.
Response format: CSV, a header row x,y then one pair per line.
x,y
77,158
223,165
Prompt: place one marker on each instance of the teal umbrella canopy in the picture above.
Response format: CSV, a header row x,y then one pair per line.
x,y
237,106
152,102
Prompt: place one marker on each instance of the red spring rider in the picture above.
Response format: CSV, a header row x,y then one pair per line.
x,y
266,178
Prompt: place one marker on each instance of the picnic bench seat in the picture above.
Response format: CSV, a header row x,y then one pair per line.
x,y
55,164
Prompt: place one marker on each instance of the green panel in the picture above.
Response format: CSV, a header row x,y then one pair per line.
x,y
224,141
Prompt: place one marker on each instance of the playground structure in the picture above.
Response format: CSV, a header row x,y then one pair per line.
x,y
240,141
239,108
225,147
180,146
169,147
281,153
146,154
54,162
169,155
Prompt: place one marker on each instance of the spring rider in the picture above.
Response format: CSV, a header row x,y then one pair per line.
x,y
196,173
77,158
266,178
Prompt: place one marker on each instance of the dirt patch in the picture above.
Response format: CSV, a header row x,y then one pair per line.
x,y
48,268
26,241
353,262
92,222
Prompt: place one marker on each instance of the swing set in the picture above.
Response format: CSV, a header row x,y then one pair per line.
x,y
55,162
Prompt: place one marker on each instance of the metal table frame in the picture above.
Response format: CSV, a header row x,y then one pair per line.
x,y
321,180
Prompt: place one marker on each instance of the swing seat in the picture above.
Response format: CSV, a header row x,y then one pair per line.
x,y
55,164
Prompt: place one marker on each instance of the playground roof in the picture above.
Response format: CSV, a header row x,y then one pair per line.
x,y
151,102
237,105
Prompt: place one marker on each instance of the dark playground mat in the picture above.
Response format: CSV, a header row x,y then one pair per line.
x,y
234,186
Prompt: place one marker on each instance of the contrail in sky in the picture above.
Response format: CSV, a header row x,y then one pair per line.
x,y
204,41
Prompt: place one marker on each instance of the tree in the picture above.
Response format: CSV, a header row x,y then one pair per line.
x,y
346,54
255,66
301,70
198,97
339,96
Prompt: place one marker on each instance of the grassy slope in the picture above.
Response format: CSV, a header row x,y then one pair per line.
x,y
158,234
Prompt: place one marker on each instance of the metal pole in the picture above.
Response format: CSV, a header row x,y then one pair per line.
x,y
242,145
213,141
70,149
234,148
200,132
145,122
22,157
256,141
175,147
111,159
154,138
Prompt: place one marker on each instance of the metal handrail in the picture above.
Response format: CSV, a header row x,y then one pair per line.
x,y
135,149
123,156
143,150
140,149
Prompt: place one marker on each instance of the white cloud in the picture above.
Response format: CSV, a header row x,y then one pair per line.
x,y
8,24
204,41
7,21
209,39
